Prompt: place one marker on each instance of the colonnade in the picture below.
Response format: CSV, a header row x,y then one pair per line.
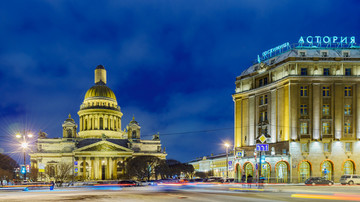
x,y
93,167
100,122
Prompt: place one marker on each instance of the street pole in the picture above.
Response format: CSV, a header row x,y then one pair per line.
x,y
25,166
227,164
259,167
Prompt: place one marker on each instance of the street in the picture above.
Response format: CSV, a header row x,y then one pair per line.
x,y
219,192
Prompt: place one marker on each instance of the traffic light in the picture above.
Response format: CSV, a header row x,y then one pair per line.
x,y
27,168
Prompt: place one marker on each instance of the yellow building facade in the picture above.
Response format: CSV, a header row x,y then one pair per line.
x,y
100,149
304,103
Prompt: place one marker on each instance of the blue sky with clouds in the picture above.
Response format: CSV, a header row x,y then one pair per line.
x,y
172,64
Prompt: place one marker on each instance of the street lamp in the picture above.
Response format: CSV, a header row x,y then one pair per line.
x,y
227,161
23,137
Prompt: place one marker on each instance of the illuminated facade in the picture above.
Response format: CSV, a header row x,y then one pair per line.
x,y
305,103
99,150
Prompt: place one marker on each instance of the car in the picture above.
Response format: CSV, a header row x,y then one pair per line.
x,y
350,179
318,180
128,183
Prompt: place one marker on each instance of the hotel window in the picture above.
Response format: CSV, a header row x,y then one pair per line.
x,y
347,127
305,147
303,110
326,71
347,109
348,91
263,99
265,81
327,147
303,91
348,146
326,128
302,53
346,54
326,109
303,71
326,91
263,116
260,82
348,72
304,128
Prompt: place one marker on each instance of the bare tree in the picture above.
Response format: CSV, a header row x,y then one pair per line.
x,y
142,167
63,173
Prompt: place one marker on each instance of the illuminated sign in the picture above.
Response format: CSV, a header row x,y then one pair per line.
x,y
27,168
262,147
23,170
320,41
273,51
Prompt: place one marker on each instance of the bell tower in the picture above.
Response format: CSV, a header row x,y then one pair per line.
x,y
69,128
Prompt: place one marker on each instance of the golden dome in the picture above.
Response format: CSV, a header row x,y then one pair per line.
x,y
100,90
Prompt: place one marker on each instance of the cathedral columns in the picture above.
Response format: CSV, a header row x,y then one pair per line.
x,y
114,172
84,168
92,168
107,175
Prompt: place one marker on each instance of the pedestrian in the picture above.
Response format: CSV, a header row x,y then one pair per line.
x,y
243,178
52,184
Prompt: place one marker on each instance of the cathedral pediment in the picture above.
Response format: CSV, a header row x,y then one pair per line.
x,y
104,146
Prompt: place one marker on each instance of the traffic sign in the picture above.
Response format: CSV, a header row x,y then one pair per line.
x,y
262,147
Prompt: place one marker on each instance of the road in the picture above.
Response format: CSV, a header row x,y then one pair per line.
x,y
189,193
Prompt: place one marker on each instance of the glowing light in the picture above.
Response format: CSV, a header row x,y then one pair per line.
x,y
227,145
24,145
30,135
18,135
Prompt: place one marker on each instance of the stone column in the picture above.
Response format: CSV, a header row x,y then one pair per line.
x,y
84,168
107,174
251,118
100,168
92,168
114,172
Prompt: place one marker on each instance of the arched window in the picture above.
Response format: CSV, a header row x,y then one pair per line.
x,y
265,171
133,134
327,170
281,172
238,173
304,171
101,123
348,167
249,170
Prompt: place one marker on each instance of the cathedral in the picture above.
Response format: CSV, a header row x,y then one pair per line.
x,y
100,149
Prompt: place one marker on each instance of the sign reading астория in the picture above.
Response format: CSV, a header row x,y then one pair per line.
x,y
311,42
327,40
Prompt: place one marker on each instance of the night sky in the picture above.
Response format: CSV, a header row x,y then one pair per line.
x,y
171,64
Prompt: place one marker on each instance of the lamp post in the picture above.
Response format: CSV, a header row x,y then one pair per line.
x,y
23,137
227,161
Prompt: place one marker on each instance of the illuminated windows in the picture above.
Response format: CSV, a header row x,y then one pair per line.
x,y
263,116
303,110
326,128
326,91
347,127
326,109
303,91
347,109
263,99
302,53
348,91
324,53
303,71
304,128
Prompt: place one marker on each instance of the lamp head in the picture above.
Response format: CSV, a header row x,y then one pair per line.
x,y
24,145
